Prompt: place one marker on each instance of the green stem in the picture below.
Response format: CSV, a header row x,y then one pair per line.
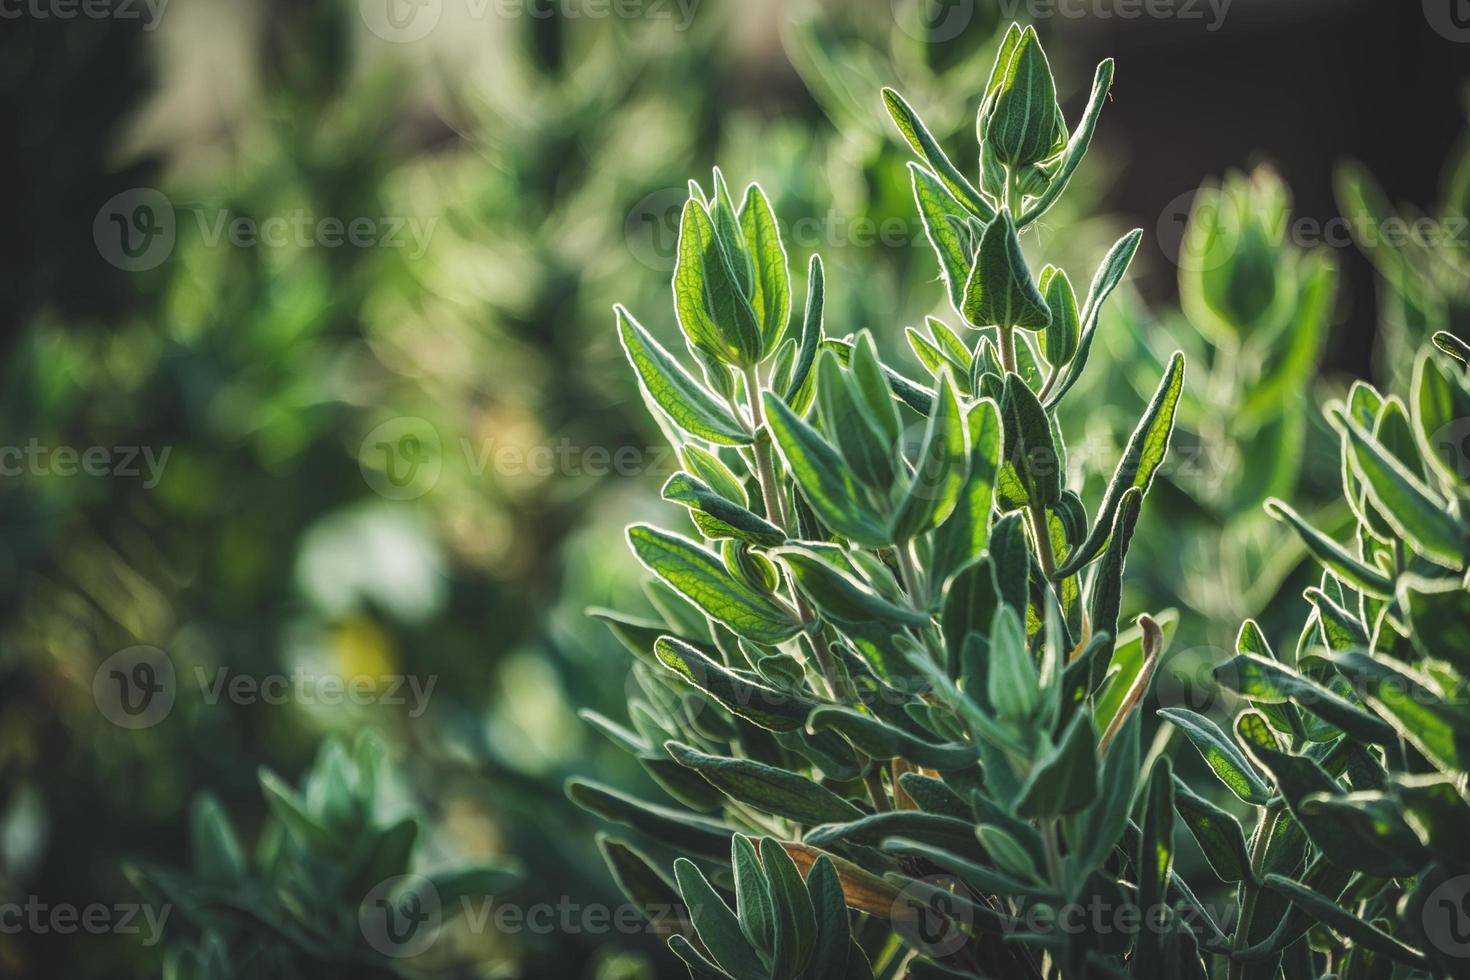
x,y
1251,889
1006,346
765,472
1042,528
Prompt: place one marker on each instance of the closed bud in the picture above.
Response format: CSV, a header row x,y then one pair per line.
x,y
1021,119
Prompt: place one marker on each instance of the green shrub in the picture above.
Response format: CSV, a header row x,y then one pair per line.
x,y
1356,743
330,890
897,647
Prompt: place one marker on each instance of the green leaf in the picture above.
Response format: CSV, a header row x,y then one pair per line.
x,y
640,881
1013,684
1436,809
1439,729
703,579
1441,400
1077,146
867,451
1021,117
841,598
1063,333
964,535
1146,449
1063,780
672,827
699,967
766,788
1000,291
1266,680
927,147
1331,554
688,404
1439,611
1331,914
1107,587
796,929
1101,825
757,703
1109,274
946,223
883,741
215,850
799,390
948,833
1155,861
770,292
1221,754
1217,832
1453,346
719,930
753,907
833,936
939,471
1032,464
713,310
1405,502
826,483
717,517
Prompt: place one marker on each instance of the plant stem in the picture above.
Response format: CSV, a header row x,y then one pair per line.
x,y
1251,889
775,506
913,579
1042,528
1006,345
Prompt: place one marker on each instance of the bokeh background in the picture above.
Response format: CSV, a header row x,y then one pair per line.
x,y
308,369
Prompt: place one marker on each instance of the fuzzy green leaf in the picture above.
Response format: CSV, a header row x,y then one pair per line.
x,y
688,404
927,147
758,703
770,288
1146,449
766,788
713,310
1000,291
703,579
1221,754
826,483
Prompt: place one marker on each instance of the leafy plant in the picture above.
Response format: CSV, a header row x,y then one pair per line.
x,y
1423,260
1256,314
1351,747
896,647
330,890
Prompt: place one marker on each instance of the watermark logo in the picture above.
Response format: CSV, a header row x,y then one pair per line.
x,y
1200,680
651,229
933,21
1449,18
400,917
1197,252
1447,917
402,458
930,918
1451,443
136,229
135,688
401,21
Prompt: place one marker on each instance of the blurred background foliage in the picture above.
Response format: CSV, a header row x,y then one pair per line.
x,y
528,172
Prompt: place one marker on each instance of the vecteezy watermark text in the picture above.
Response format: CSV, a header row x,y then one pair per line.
x,y
137,230
1211,12
37,459
41,918
148,11
138,687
